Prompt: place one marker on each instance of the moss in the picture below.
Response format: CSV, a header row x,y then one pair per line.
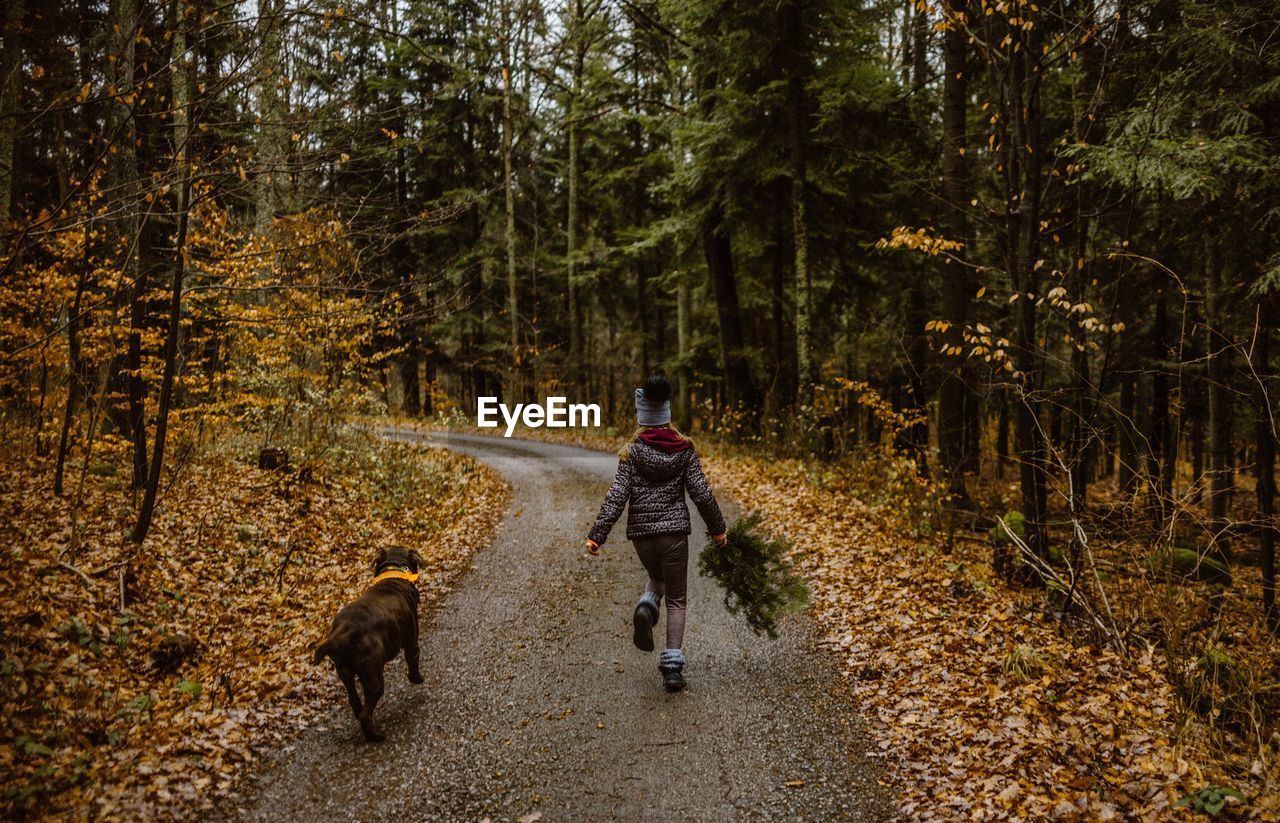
x,y
1017,524
103,469
1189,564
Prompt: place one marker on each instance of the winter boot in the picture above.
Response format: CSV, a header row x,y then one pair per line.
x,y
643,619
671,664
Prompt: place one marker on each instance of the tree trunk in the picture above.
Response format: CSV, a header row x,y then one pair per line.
x,y
1266,486
473,335
1127,445
513,296
1158,430
919,45
1022,198
75,376
143,523
1002,435
1218,345
718,249
908,23
645,308
137,386
429,368
684,338
410,385
123,182
1081,434
1078,447
571,228
916,438
534,305
645,300
785,388
182,73
1196,405
954,402
1127,371
398,265
42,444
10,78
806,376
272,112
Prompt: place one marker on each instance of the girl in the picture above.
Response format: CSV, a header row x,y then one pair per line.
x,y
655,468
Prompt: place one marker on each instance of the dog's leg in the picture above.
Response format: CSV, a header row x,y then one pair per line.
x,y
353,697
372,683
412,655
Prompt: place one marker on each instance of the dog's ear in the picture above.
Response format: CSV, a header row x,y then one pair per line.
x,y
416,559
380,559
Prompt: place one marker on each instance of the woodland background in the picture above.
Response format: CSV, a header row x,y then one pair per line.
x,y
1019,259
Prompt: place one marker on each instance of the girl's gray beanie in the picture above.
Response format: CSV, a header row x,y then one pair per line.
x,y
650,413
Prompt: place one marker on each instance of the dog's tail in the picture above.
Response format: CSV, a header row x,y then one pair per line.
x,y
325,649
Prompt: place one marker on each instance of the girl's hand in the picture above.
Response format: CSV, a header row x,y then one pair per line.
x,y
593,548
721,538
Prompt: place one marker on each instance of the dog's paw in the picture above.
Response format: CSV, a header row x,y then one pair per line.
x,y
374,736
415,679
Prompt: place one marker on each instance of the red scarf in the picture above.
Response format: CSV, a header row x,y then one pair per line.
x,y
664,440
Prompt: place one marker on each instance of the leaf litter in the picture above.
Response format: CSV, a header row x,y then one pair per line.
x,y
977,707
162,707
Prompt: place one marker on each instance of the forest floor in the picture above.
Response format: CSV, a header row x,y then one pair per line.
x,y
159,709
536,705
983,707
978,703
945,694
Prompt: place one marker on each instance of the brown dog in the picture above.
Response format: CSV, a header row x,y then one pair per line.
x,y
370,632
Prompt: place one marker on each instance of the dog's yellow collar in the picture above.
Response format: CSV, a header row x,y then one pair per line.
x,y
395,574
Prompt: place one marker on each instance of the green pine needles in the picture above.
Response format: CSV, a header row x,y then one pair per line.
x,y
757,582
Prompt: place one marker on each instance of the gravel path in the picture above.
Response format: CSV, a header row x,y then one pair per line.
x,y
535,700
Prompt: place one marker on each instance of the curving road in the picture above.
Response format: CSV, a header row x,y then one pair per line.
x,y
536,702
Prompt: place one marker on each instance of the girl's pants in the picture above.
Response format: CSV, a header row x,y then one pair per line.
x,y
666,559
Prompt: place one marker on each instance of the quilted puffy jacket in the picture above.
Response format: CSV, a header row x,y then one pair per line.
x,y
654,483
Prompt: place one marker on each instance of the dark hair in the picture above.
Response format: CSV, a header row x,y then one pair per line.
x,y
656,388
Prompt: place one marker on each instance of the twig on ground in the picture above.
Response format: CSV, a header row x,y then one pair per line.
x,y
88,582
284,562
107,568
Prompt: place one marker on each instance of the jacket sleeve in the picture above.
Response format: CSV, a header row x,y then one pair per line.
x,y
614,502
700,491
